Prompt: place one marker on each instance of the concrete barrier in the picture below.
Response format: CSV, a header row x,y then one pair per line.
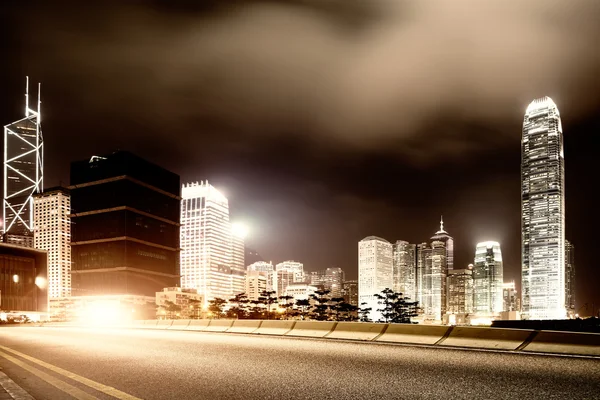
x,y
357,330
316,329
565,343
163,323
150,323
179,324
198,325
218,325
244,326
415,334
275,327
486,338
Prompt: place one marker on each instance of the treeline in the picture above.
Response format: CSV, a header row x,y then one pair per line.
x,y
320,306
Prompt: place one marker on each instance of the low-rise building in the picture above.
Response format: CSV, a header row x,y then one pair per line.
x,y
187,303
23,279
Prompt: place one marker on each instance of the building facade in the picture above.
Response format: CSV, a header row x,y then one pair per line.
x,y
510,298
210,258
23,174
331,279
256,283
570,278
350,292
460,291
488,278
189,300
293,266
300,291
375,272
448,241
543,212
124,226
52,232
405,269
23,279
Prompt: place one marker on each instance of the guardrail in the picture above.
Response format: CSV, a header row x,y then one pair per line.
x,y
518,340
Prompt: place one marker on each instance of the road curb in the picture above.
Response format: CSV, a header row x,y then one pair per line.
x,y
15,391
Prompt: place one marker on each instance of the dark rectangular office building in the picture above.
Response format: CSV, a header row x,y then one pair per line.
x,y
23,279
125,226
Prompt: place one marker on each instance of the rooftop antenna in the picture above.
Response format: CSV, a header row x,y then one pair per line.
x,y
27,96
39,108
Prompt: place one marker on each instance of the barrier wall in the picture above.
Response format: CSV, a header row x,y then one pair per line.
x,y
275,327
486,338
565,343
315,329
414,334
357,331
180,324
520,340
198,325
244,326
218,325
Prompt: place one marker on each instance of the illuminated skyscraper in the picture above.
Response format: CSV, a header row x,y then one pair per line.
x,y
448,241
52,233
488,279
210,255
330,279
570,277
375,272
23,173
405,269
543,212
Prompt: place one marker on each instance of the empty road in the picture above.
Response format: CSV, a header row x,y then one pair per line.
x,y
50,363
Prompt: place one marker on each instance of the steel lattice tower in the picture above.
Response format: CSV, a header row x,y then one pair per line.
x,y
23,169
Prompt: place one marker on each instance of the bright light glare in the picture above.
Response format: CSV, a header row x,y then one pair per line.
x,y
40,282
16,278
240,230
104,313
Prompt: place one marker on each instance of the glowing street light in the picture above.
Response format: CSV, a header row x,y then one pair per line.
x,y
16,278
40,282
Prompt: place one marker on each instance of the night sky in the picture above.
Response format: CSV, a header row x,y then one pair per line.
x,y
324,121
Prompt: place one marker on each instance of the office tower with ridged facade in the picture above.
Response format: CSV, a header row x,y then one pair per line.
x,y
488,278
212,258
543,212
375,272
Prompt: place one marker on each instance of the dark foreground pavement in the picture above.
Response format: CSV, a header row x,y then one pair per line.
x,y
146,364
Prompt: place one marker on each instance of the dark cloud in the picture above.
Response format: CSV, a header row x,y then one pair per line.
x,y
324,121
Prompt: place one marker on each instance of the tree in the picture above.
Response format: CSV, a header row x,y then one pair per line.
x,y
288,304
303,305
172,310
268,298
395,307
387,299
364,313
346,312
320,310
194,308
215,307
239,309
334,308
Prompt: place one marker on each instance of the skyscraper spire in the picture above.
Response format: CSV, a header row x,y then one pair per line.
x,y
441,223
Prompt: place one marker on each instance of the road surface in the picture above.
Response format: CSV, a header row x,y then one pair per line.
x,y
145,364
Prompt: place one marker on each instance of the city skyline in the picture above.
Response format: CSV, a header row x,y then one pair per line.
x,y
309,194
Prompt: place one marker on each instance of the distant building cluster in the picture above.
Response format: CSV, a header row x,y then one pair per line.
x,y
425,272
125,228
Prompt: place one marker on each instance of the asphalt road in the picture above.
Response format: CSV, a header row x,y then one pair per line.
x,y
191,365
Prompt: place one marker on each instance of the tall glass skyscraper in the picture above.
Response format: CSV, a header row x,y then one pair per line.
x,y
543,212
488,278
405,269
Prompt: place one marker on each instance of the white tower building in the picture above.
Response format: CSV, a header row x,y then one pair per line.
x,y
488,279
543,212
52,232
210,260
375,272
